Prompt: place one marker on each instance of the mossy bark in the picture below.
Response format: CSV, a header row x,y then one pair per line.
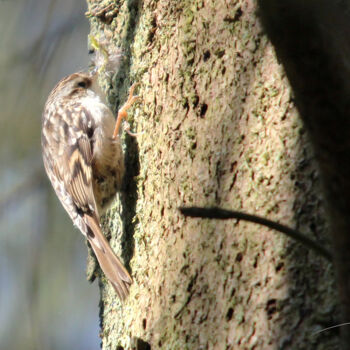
x,y
219,127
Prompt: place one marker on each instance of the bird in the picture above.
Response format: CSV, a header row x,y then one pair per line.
x,y
84,161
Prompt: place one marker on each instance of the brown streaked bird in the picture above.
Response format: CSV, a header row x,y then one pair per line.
x,y
84,161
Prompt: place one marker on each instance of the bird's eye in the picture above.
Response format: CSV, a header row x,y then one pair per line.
x,y
82,84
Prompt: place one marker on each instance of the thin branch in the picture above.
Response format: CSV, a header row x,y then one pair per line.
x,y
217,213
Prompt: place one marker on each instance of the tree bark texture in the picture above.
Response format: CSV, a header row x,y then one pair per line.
x,y
312,40
219,128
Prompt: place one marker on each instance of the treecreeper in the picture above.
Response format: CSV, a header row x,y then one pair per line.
x,y
84,161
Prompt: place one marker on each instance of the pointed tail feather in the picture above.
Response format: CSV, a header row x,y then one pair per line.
x,y
109,262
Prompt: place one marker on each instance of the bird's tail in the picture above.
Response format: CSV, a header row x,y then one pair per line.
x,y
109,262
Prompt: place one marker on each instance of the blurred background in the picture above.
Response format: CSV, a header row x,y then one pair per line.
x,y
45,300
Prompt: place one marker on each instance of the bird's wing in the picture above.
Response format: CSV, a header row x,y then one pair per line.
x,y
68,155
76,172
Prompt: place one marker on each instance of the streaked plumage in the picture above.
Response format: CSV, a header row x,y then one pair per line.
x,y
84,163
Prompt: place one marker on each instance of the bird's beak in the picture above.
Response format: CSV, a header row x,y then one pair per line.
x,y
94,72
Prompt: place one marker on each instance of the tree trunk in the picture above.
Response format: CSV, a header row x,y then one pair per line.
x,y
312,40
219,128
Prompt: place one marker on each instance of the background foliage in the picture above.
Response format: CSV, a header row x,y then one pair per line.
x,y
45,300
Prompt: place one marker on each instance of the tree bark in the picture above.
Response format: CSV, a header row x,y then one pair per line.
x,y
312,40
219,129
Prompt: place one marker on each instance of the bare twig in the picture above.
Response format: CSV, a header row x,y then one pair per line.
x,y
217,213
